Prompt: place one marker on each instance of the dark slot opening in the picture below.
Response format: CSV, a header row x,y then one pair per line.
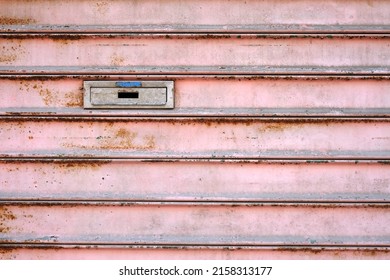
x,y
122,94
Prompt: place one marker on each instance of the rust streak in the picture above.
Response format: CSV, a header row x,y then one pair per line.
x,y
79,164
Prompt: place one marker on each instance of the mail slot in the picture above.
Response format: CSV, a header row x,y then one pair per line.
x,y
128,94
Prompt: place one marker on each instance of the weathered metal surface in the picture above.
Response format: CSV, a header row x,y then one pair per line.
x,y
212,181
197,138
222,176
191,224
192,16
112,52
178,253
210,96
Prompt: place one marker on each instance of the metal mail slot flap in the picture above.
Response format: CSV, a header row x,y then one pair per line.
x,y
128,94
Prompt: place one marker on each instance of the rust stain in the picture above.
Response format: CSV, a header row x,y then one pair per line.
x,y
5,215
102,7
8,58
208,121
16,21
273,127
7,254
50,97
117,60
74,99
282,126
370,3
76,165
124,139
121,139
11,52
305,250
63,39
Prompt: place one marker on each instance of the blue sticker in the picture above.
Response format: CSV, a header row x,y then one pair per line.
x,y
128,84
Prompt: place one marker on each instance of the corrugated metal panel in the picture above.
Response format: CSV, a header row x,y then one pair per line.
x,y
194,16
200,253
62,54
278,146
211,96
215,138
211,224
195,180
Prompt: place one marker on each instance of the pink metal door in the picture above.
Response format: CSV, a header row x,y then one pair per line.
x,y
278,146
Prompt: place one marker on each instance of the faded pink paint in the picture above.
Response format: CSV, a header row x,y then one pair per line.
x,y
135,51
273,253
214,138
197,96
188,224
200,12
195,181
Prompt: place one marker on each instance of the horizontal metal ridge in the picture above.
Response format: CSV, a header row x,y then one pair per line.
x,y
162,160
167,76
201,35
296,248
200,119
323,113
196,70
200,28
107,202
157,157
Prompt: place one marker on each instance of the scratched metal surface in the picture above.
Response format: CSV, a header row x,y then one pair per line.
x,y
210,96
278,147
